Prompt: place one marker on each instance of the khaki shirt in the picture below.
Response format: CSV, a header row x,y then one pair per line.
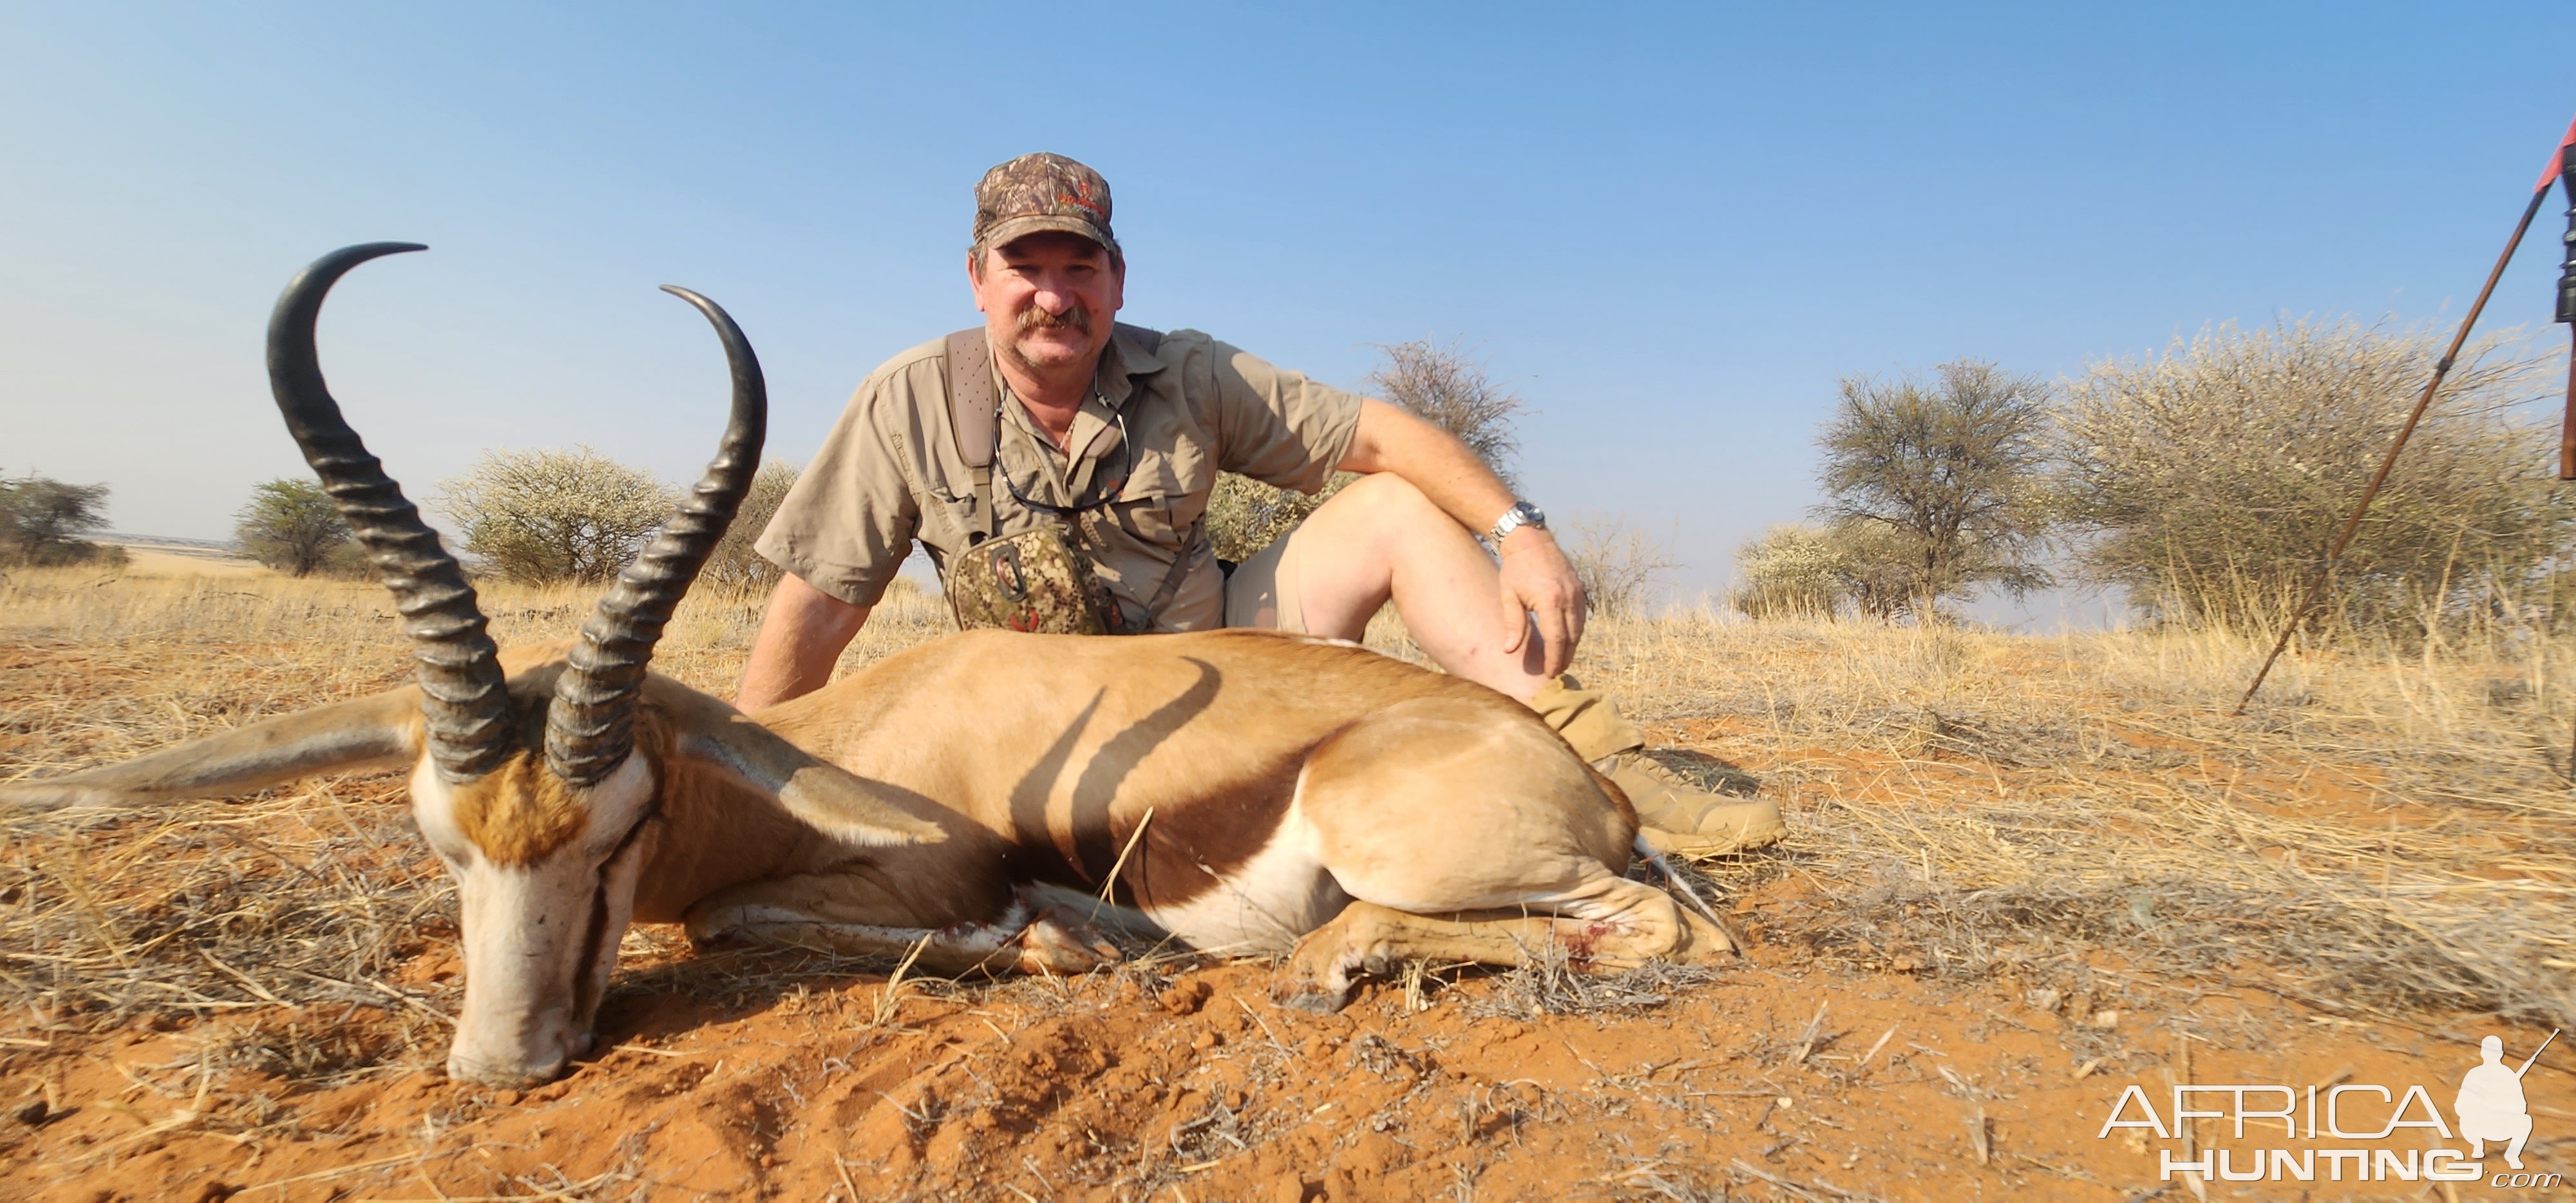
x,y
890,471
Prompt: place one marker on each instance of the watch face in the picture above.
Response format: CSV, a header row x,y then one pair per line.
x,y
1521,514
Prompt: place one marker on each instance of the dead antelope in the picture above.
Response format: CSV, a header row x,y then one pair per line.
x,y
1245,791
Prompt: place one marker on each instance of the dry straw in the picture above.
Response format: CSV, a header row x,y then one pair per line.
x,y
2386,832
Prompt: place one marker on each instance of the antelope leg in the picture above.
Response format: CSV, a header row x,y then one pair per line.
x,y
1624,926
806,912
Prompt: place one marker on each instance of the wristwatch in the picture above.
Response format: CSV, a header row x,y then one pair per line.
x,y
1521,514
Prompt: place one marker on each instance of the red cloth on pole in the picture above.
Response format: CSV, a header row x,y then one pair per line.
x,y
2550,172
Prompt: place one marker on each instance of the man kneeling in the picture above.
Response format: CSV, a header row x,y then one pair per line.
x,y
1056,463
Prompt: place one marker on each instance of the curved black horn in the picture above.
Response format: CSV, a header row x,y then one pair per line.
x,y
464,697
590,726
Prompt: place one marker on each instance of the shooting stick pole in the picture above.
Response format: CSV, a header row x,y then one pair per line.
x,y
2535,1054
2567,304
2567,314
2442,367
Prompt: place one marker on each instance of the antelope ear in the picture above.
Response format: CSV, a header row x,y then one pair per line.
x,y
382,731
821,794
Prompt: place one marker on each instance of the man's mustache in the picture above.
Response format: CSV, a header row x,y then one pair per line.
x,y
1076,319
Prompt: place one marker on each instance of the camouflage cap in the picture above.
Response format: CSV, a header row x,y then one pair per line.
x,y
1042,192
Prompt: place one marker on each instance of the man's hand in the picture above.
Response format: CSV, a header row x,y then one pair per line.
x,y
1539,584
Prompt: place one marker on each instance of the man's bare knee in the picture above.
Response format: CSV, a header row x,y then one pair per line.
x,y
1387,502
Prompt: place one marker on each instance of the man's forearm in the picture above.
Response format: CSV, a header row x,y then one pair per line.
x,y
1430,459
801,637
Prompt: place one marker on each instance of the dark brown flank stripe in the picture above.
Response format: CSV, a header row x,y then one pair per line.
x,y
1184,851
1189,853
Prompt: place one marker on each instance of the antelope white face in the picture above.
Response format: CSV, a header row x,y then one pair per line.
x,y
554,821
540,924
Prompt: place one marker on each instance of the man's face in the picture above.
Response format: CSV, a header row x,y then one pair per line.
x,y
1049,299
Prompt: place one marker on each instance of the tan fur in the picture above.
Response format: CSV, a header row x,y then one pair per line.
x,y
520,812
919,798
1060,744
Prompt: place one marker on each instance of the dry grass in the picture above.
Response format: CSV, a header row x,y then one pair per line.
x,y
2079,813
305,896
2377,832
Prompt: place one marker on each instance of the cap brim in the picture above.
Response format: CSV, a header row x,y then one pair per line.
x,y
1022,227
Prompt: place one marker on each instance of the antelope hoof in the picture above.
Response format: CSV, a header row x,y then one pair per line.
x,y
1708,943
1306,996
1061,942
1312,981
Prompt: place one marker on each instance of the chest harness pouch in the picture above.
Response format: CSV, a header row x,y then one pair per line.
x,y
1040,579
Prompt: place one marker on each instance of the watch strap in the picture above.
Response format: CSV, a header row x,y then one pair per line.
x,y
1521,514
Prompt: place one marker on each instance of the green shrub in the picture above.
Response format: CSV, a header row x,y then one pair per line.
x,y
548,515
291,525
2210,481
42,519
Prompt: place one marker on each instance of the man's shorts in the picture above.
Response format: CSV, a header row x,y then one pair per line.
x,y
1261,592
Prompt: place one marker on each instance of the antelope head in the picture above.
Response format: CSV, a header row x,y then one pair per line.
x,y
541,787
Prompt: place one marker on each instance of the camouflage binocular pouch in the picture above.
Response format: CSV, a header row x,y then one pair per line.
x,y
1036,580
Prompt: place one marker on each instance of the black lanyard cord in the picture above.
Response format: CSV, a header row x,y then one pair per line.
x,y
1127,468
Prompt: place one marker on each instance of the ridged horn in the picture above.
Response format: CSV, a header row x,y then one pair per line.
x,y
464,697
590,725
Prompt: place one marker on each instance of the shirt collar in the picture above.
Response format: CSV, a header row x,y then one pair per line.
x,y
1120,362
1094,432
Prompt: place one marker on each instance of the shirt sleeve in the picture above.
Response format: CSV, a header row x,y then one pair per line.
x,y
847,525
1277,426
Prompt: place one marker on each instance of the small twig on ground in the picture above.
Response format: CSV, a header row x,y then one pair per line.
x,y
1272,1036
1876,1045
1807,1039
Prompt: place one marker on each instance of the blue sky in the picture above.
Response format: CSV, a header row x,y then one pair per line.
x,y
1670,228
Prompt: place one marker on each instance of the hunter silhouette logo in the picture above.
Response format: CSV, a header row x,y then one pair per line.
x,y
2490,1103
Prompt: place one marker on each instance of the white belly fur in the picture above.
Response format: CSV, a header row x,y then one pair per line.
x,y
1267,902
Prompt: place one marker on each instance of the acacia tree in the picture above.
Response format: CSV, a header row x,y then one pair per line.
x,y
1450,389
1941,481
291,525
735,566
2211,479
549,515
42,519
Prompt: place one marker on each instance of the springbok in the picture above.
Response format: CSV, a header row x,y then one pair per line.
x,y
1240,791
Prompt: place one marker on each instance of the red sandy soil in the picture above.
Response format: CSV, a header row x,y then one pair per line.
x,y
1110,1088
1794,1074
